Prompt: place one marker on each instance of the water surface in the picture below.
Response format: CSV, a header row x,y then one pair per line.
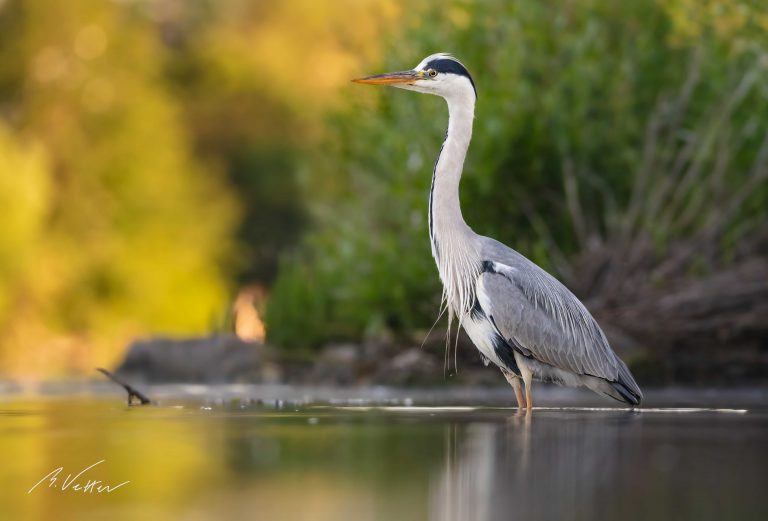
x,y
280,453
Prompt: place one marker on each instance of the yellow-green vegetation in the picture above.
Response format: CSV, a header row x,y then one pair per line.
x,y
146,162
115,229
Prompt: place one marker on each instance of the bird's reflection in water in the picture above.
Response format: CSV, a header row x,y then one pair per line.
x,y
464,487
550,465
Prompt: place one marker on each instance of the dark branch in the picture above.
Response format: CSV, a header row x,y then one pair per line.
x,y
130,390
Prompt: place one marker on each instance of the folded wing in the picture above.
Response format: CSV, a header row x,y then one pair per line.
x,y
542,319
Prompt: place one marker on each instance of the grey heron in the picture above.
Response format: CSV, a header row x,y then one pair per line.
x,y
519,316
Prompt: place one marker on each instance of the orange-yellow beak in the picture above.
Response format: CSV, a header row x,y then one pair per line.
x,y
391,78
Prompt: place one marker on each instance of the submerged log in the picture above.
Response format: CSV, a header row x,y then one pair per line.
x,y
132,391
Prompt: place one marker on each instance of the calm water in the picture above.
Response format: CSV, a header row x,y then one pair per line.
x,y
284,454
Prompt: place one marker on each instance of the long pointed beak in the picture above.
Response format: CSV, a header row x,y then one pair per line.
x,y
391,78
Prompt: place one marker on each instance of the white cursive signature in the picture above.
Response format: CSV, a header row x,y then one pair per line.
x,y
88,487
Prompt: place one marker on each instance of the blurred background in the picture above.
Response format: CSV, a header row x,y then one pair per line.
x,y
200,169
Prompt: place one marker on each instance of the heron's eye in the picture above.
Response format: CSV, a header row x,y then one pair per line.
x,y
431,73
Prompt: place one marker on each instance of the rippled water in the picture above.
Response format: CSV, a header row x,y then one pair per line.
x,y
280,453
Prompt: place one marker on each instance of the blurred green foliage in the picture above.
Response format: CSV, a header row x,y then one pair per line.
x,y
587,112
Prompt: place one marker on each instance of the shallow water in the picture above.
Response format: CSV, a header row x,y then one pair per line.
x,y
281,453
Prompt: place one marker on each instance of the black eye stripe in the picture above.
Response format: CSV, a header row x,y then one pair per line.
x,y
453,67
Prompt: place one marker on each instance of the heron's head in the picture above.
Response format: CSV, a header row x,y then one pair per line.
x,y
440,74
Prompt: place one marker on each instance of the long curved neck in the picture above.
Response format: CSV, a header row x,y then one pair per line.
x,y
454,245
445,218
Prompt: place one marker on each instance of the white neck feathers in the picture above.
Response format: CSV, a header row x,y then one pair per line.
x,y
454,244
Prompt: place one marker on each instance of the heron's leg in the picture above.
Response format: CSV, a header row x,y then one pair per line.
x,y
514,381
527,380
518,393
528,396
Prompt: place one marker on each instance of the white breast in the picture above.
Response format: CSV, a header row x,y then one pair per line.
x,y
481,332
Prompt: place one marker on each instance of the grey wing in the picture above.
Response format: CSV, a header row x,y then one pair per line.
x,y
542,319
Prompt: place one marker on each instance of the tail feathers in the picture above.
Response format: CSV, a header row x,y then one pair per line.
x,y
627,386
624,390
626,394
